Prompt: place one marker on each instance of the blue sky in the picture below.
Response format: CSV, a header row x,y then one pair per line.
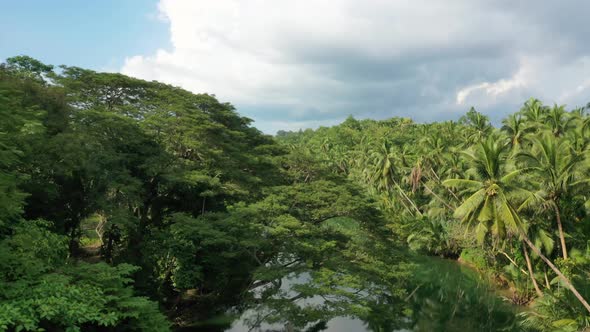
x,y
92,34
301,64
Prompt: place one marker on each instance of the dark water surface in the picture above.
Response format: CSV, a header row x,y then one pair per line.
x,y
445,296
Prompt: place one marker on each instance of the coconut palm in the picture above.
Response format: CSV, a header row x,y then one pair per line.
x,y
556,174
577,137
488,205
383,172
453,166
580,112
417,179
493,195
534,111
558,120
516,129
479,123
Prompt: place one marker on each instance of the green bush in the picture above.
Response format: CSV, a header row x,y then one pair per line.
x,y
475,257
40,289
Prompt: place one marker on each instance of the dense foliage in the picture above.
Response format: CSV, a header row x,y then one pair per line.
x,y
512,201
134,205
128,205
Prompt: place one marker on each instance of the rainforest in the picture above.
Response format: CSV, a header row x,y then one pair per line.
x,y
133,205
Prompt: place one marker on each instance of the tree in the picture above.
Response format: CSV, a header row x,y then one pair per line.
x,y
558,120
11,197
556,175
479,124
516,129
534,112
42,289
493,195
26,67
382,172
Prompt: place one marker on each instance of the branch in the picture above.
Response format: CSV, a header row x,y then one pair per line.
x,y
319,221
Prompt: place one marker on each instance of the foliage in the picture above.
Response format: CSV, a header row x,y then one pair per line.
x,y
41,289
475,257
521,185
200,215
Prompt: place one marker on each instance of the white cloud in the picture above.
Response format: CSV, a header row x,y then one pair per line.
x,y
489,92
322,60
544,77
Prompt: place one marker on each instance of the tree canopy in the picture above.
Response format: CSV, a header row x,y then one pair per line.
x,y
128,205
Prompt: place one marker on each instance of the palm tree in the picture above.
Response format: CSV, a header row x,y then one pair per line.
x,y
433,145
556,173
490,205
516,129
416,180
382,172
580,112
534,111
493,194
577,138
479,123
586,124
360,156
558,120
325,145
453,166
432,152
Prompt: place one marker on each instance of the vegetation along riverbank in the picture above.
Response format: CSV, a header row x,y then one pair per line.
x,y
128,205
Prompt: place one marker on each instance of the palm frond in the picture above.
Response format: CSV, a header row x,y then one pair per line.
x,y
462,183
470,205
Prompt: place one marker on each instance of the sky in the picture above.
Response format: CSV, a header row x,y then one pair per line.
x,y
309,63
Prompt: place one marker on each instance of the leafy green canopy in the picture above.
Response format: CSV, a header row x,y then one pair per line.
x,y
520,186
191,206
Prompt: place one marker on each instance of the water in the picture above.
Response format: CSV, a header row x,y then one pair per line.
x,y
445,296
453,297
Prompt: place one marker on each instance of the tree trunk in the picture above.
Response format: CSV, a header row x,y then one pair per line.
x,y
513,262
440,182
437,196
556,270
403,203
560,228
531,273
99,229
407,198
74,242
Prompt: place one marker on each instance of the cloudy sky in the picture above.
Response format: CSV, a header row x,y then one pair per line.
x,y
299,64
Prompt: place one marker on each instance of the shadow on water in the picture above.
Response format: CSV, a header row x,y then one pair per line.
x,y
450,296
444,296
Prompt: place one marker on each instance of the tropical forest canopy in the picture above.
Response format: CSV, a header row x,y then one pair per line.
x,y
128,205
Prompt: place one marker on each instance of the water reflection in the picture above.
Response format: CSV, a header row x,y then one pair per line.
x,y
452,297
338,324
444,296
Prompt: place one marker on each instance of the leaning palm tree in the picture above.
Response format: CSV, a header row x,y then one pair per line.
x,y
493,195
383,172
555,167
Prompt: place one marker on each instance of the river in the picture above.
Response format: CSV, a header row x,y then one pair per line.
x,y
445,296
